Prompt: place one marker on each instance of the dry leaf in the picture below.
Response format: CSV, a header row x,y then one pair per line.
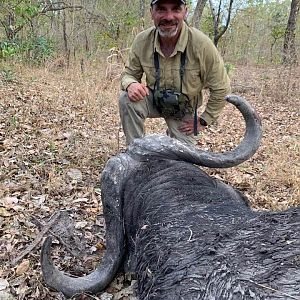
x,y
23,267
124,293
3,284
75,175
78,200
49,112
4,295
100,246
8,202
79,225
4,212
106,296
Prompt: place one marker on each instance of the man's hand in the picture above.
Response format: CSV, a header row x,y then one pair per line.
x,y
137,91
187,126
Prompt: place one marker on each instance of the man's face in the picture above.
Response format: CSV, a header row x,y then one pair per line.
x,y
168,17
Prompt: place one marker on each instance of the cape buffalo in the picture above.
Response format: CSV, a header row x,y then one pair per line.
x,y
184,234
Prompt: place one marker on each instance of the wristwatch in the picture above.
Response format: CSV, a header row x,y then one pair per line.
x,y
203,122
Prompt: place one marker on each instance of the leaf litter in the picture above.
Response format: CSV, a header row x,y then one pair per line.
x,y
58,129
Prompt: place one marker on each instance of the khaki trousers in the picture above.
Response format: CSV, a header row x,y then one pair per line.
x,y
134,114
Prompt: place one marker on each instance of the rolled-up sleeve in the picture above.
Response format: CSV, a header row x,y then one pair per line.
x,y
133,70
218,83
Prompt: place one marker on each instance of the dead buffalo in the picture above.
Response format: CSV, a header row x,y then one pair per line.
x,y
186,235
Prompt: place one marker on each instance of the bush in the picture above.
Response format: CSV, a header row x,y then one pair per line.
x,y
8,49
35,49
38,49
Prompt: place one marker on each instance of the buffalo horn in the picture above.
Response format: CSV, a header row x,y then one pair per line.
x,y
165,147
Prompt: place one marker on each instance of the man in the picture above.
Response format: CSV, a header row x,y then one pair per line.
x,y
177,61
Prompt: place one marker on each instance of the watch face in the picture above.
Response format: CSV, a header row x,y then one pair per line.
x,y
203,122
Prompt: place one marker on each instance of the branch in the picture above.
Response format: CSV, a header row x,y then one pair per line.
x,y
52,8
198,13
224,28
38,239
219,13
96,16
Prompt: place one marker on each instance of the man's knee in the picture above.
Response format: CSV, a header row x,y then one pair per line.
x,y
123,99
136,109
174,132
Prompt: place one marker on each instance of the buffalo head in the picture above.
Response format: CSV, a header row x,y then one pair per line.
x,y
185,234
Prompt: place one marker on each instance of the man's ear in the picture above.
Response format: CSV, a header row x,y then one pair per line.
x,y
186,13
151,11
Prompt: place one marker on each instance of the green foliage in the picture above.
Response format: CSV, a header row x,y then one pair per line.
x,y
21,41
23,12
8,49
14,15
278,23
33,49
207,23
27,9
256,32
13,122
38,49
119,26
122,19
190,4
7,75
229,68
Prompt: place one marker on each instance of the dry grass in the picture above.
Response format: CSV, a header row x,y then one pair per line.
x,y
55,121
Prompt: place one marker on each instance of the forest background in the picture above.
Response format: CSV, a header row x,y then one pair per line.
x,y
60,64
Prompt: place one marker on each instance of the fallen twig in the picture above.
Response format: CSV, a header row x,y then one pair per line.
x,y
38,239
41,225
64,244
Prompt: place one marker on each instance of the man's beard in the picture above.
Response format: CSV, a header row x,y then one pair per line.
x,y
167,33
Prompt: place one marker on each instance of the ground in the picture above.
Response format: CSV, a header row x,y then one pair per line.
x,y
58,128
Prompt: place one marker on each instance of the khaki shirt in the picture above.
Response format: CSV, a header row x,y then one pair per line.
x,y
204,68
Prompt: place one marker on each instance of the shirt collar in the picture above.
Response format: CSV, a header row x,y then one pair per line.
x,y
181,43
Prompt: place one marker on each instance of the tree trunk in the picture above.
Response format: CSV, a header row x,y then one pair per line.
x,y
65,37
8,24
198,13
289,50
142,13
219,30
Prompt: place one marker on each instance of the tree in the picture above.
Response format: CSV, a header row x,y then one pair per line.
x,y
142,12
220,19
277,24
18,14
198,13
289,49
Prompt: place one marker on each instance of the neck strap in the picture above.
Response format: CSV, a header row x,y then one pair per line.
x,y
157,69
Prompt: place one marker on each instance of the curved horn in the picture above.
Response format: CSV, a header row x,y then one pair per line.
x,y
111,184
168,148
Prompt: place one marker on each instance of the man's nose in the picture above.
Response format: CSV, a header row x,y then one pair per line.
x,y
169,15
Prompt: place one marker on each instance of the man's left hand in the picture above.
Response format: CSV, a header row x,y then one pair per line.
x,y
187,126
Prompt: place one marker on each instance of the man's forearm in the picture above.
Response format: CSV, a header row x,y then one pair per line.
x,y
215,105
126,80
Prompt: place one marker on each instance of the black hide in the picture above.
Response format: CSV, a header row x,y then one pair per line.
x,y
192,237
186,235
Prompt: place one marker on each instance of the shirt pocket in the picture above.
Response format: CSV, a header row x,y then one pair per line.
x,y
149,73
192,83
